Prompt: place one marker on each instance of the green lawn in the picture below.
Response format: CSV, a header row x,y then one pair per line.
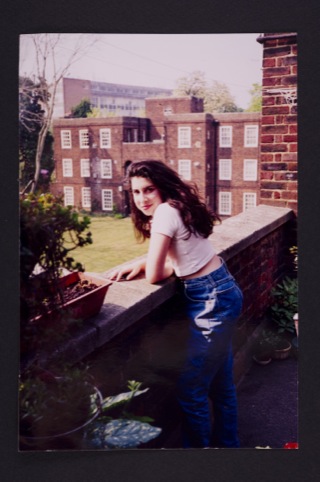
x,y
113,243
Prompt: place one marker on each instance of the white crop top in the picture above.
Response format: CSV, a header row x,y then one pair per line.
x,y
187,255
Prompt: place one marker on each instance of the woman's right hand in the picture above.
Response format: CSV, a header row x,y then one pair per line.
x,y
128,272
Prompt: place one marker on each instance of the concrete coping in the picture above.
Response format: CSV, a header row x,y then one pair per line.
x,y
127,302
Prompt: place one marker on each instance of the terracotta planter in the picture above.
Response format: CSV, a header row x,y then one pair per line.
x,y
80,308
282,353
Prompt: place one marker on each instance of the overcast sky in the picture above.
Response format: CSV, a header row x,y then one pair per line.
x,y
155,60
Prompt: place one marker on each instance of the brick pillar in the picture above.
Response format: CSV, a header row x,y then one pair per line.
x,y
278,174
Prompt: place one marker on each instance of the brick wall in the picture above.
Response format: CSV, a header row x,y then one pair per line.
x,y
279,138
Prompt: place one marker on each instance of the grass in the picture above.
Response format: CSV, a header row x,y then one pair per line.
x,y
113,243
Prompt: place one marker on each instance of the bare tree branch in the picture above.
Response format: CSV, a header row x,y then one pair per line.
x,y
49,72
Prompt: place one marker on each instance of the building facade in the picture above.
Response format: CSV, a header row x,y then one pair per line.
x,y
237,163
110,99
219,153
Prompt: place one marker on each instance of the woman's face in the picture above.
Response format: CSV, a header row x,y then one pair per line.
x,y
146,195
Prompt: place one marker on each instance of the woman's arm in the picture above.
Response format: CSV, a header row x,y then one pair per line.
x,y
158,267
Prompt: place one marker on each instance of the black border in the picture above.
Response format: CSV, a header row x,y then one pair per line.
x,y
165,16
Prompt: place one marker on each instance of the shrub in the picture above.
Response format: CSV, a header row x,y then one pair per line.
x,y
285,296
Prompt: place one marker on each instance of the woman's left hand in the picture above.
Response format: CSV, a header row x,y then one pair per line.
x,y
128,272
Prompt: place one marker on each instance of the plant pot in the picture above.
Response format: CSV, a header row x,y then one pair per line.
x,y
262,359
71,438
282,351
80,308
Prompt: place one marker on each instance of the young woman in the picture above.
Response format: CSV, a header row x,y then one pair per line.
x,y
170,213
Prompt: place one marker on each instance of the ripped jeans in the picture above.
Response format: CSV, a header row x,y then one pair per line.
x,y
214,303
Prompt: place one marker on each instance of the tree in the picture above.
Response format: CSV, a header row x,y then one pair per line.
x,y
255,104
30,122
216,96
193,84
82,109
50,68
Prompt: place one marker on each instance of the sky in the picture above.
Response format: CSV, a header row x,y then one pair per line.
x,y
159,60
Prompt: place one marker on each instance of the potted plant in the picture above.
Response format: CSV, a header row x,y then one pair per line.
x,y
271,345
50,302
67,411
54,407
262,351
285,304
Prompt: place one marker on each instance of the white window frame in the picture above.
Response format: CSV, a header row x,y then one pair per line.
x,y
225,203
105,138
249,139
184,169
250,170
68,195
225,169
225,136
66,142
184,137
107,206
247,203
84,138
86,197
85,167
106,165
67,168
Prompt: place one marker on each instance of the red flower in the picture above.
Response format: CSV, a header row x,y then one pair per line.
x,y
291,445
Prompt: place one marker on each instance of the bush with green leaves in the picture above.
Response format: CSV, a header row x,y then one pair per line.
x,y
49,231
285,304
126,431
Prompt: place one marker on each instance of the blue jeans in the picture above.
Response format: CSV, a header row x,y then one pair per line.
x,y
214,303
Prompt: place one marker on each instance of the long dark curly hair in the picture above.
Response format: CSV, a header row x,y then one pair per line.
x,y
177,193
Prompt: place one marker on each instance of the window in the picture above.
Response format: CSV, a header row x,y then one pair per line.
x,y
94,102
106,168
84,138
249,200
67,170
184,169
225,169
250,169
85,167
105,138
107,199
225,133
251,136
66,139
184,136
68,196
225,203
86,197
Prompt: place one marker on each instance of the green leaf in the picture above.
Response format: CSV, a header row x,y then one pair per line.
x,y
121,434
111,402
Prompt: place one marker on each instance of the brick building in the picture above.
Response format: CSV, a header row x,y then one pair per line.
x,y
114,99
219,154
237,166
279,148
